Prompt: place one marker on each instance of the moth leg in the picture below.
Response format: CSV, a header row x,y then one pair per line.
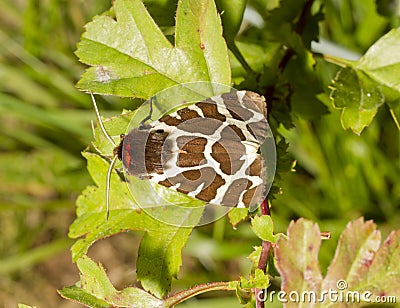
x,y
148,117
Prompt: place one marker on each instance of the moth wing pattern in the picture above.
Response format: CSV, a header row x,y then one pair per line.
x,y
207,150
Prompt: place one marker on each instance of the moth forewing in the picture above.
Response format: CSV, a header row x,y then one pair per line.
x,y
207,150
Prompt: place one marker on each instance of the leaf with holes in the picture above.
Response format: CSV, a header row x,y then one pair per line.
x,y
130,56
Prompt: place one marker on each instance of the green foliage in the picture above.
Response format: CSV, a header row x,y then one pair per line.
x,y
96,290
139,54
236,215
200,54
365,85
360,265
358,97
260,280
161,243
338,175
134,58
44,125
263,227
232,16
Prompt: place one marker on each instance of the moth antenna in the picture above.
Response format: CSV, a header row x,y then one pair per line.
x,y
108,184
103,129
111,167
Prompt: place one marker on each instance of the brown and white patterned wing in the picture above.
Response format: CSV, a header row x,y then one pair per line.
x,y
207,150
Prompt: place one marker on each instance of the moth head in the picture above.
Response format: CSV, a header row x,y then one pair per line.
x,y
118,149
142,149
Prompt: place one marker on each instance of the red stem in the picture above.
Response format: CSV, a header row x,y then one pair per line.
x,y
266,246
265,249
179,297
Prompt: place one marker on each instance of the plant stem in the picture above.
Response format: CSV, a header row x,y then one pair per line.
x,y
265,249
233,47
196,290
338,61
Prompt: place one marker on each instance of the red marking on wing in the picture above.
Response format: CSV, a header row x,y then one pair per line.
x,y
127,155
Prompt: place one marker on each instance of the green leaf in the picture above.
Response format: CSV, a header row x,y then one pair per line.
x,y
284,18
75,293
259,57
361,87
255,256
259,280
199,36
300,73
114,126
162,243
263,227
236,215
93,199
354,89
358,96
94,278
167,246
382,64
95,290
232,15
130,56
382,60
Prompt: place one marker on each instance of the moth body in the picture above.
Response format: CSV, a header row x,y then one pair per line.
x,y
208,150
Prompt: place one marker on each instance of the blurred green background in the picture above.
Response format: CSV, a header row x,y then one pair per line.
x,y
45,124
